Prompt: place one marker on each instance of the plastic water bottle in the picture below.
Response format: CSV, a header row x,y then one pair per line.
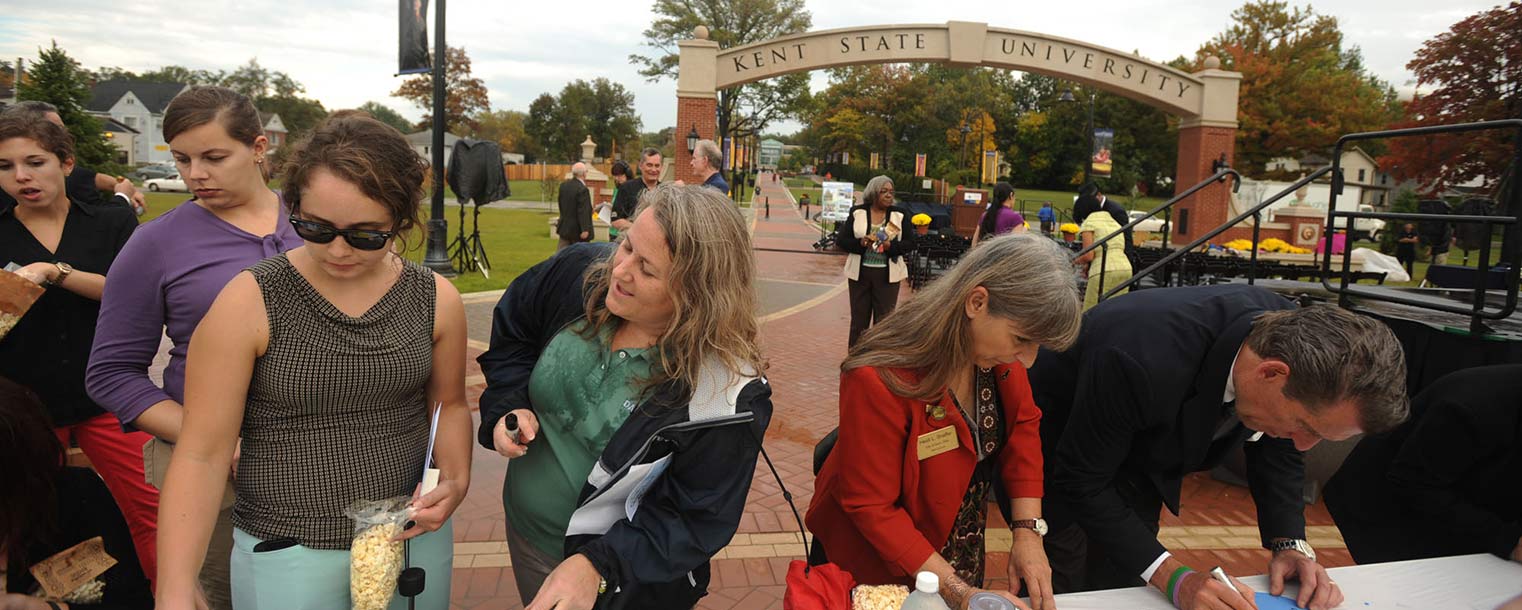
x,y
926,594
989,601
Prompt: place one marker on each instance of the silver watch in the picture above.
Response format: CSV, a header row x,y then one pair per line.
x,y
1293,545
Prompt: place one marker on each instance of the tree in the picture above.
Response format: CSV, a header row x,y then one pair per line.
x,y
181,74
57,79
744,110
464,95
505,127
1475,69
1301,89
385,114
601,109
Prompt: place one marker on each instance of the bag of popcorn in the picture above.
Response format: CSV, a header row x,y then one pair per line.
x,y
375,560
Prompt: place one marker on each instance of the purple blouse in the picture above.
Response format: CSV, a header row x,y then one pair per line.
x,y
1007,220
163,281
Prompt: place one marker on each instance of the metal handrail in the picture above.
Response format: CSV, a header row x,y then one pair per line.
x,y
1513,255
1250,213
1166,210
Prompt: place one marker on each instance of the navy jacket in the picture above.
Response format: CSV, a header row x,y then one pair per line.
x,y
668,491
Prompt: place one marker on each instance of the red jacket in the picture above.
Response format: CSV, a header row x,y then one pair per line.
x,y
878,509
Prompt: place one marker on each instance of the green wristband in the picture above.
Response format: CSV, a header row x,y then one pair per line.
x,y
1174,580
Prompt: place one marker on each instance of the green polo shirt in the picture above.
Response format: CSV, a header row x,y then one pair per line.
x,y
582,391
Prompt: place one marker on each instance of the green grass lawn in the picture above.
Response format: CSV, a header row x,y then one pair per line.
x,y
514,240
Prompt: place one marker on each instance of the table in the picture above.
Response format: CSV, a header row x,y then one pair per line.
x,y
1468,582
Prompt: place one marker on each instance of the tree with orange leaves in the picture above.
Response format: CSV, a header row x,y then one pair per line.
x,y
1301,89
464,95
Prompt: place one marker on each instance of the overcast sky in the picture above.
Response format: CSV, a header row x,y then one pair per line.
x,y
344,51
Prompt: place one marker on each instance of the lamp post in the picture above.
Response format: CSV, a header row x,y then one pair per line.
x,y
692,139
965,130
437,256
1088,136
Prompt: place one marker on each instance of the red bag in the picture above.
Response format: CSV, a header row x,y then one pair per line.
x,y
824,587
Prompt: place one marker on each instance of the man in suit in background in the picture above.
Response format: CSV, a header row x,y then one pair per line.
x,y
1165,382
1449,482
575,208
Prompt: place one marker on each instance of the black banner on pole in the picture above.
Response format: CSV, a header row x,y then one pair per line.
x,y
412,55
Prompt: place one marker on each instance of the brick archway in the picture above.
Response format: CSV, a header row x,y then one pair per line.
x,y
1205,101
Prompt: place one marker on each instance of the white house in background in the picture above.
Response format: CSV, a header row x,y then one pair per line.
x,y
124,138
138,105
274,129
1358,169
422,142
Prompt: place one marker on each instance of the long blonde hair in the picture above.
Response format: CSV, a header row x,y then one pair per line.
x,y
1029,279
711,283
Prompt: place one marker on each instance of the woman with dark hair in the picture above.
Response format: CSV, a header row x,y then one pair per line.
x,y
1107,265
170,271
935,406
1000,218
49,508
67,247
634,379
875,236
328,361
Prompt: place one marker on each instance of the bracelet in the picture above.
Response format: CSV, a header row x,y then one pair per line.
x,y
1174,581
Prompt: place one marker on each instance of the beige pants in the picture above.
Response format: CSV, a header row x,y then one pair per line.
x,y
215,580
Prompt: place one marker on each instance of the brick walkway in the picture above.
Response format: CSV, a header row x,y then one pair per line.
x,y
804,343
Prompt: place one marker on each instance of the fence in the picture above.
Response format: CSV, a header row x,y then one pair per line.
x,y
555,170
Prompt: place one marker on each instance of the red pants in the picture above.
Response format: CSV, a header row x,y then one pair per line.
x,y
118,457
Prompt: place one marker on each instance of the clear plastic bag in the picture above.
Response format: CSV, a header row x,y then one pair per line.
x,y
375,560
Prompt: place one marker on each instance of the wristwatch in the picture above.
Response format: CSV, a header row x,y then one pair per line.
x,y
64,269
1292,544
1037,525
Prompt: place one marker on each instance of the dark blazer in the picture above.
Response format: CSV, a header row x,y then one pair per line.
x,y
575,211
1139,398
1444,483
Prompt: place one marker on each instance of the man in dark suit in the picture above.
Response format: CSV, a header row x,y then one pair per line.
x,y
1449,482
575,208
1164,382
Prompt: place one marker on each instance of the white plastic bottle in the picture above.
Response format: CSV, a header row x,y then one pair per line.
x,y
926,594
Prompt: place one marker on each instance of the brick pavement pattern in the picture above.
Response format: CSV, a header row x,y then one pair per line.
x,y
804,345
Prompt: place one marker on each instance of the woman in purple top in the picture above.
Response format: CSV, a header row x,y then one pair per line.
x,y
1000,217
168,274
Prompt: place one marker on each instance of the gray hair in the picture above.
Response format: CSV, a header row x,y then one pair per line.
x,y
874,189
579,170
1030,281
709,151
1335,355
36,107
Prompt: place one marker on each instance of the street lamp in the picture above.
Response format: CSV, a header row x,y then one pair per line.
x,y
1088,136
692,139
965,130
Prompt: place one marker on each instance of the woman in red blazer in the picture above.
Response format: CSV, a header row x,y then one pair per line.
x,y
935,410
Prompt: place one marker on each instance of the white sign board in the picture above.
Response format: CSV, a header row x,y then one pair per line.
x,y
836,199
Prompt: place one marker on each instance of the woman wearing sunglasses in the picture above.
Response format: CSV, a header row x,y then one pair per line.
x,y
326,359
167,275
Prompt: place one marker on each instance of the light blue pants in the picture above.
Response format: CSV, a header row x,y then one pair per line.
x,y
300,578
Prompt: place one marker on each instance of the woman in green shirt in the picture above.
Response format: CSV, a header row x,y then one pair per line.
x,y
633,377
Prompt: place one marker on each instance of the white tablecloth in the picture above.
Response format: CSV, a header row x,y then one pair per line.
x,y
1469,582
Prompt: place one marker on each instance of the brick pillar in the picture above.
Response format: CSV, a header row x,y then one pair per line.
x,y
693,112
1199,147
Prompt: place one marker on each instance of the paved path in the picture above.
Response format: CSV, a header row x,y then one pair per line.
x,y
803,335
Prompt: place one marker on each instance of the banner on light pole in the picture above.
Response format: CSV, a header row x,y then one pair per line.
x,y
1104,143
412,47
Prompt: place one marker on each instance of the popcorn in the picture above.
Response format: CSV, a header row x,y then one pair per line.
x,y
878,597
374,564
375,561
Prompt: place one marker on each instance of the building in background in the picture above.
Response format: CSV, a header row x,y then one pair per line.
x,y
422,142
138,105
770,154
274,129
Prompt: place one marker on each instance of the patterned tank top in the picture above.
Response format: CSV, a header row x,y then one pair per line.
x,y
337,406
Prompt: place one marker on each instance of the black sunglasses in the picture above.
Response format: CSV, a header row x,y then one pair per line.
x,y
360,239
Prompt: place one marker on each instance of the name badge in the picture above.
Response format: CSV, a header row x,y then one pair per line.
x,y
932,444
